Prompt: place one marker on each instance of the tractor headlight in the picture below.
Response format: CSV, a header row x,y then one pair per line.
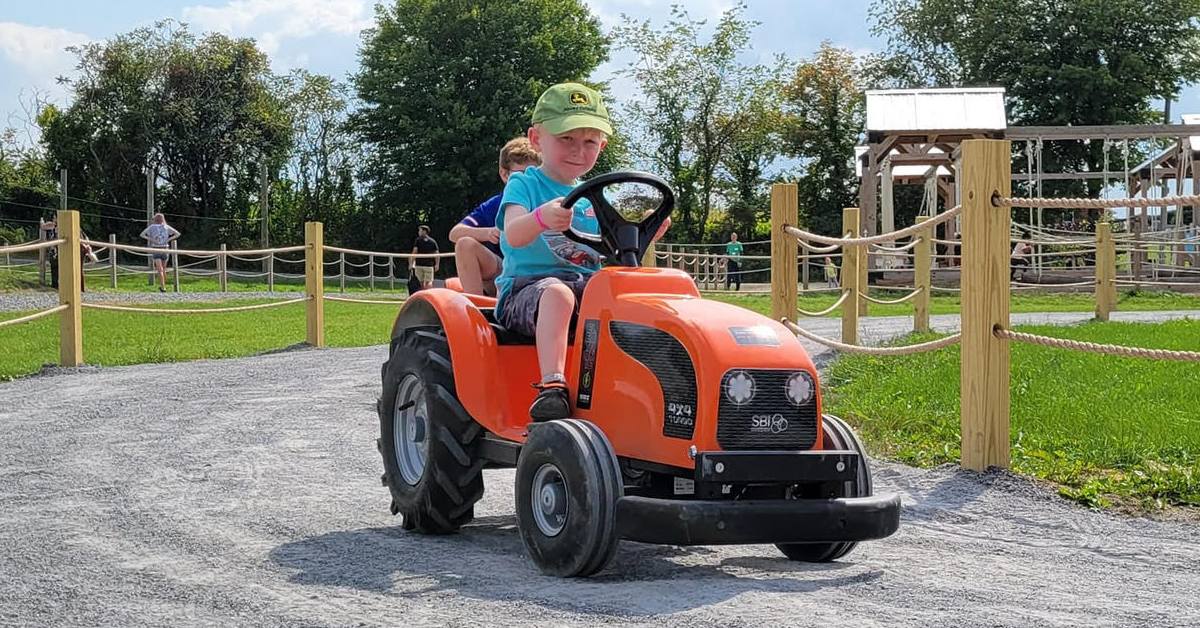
x,y
800,388
739,388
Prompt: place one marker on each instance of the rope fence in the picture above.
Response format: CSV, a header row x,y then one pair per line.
x,y
1093,347
32,317
207,310
932,345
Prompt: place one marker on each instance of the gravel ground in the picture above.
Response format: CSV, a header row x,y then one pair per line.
x,y
34,300
246,492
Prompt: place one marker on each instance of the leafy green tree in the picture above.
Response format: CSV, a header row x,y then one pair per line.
x,y
318,177
28,189
824,111
744,166
199,111
1062,62
696,99
443,85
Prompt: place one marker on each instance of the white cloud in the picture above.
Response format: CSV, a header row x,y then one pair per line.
x,y
282,19
38,51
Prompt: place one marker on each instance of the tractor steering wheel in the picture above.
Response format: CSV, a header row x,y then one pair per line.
x,y
621,241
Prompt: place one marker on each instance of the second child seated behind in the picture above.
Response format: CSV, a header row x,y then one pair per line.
x,y
544,273
476,239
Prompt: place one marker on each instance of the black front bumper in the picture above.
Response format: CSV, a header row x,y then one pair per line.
x,y
725,522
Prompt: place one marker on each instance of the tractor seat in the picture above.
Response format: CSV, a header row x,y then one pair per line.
x,y
506,336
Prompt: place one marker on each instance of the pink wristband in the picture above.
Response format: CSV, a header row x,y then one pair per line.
x,y
537,215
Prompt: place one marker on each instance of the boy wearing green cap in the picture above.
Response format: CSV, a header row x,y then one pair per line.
x,y
544,273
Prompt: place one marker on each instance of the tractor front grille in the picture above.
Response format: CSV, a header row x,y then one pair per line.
x,y
768,419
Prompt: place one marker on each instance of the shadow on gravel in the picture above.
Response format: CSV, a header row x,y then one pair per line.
x,y
487,561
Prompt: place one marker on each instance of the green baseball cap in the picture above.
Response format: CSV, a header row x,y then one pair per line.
x,y
569,106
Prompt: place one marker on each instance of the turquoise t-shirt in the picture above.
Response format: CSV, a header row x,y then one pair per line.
x,y
550,252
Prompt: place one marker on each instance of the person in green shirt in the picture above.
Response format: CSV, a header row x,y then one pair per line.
x,y
733,259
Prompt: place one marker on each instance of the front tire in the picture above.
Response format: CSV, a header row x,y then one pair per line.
x,y
568,484
837,435
427,439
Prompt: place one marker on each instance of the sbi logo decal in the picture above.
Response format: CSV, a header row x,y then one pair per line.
x,y
768,423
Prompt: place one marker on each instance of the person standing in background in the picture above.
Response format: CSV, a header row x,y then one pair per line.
x,y
733,262
424,267
159,235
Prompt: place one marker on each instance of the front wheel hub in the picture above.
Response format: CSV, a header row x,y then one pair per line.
x,y
550,503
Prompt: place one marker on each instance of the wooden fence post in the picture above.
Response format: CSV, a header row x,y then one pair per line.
x,y
70,326
371,271
175,263
922,278
984,362
314,282
270,272
223,269
391,262
342,272
1106,271
864,276
852,276
785,212
41,263
804,270
650,260
112,258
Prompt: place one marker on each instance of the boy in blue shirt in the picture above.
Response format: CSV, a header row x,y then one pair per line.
x,y
476,239
544,273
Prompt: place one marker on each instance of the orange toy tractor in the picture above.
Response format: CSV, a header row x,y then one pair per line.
x,y
695,422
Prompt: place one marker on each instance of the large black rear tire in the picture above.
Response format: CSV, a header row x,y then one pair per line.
x,y
428,441
568,484
838,435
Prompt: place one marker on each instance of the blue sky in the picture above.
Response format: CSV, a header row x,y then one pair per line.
x,y
323,35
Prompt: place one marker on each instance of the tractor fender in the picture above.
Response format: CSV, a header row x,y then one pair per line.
x,y
470,337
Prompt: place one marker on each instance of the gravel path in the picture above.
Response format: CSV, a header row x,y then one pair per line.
x,y
246,492
35,300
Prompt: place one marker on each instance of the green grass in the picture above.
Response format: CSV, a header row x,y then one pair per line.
x,y
949,304
1108,430
118,338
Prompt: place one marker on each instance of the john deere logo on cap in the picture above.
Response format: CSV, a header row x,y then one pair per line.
x,y
579,98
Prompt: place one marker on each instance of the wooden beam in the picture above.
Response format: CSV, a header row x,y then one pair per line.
x,y
1099,132
852,261
785,211
70,287
314,282
984,362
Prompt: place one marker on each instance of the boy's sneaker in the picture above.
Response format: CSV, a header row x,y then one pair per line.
x,y
551,403
162,289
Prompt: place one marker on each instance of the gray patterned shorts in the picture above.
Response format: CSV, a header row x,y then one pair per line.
x,y
520,310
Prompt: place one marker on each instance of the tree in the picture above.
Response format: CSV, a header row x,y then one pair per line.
x,y
824,111
1062,62
27,189
199,111
444,84
318,182
697,98
754,148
